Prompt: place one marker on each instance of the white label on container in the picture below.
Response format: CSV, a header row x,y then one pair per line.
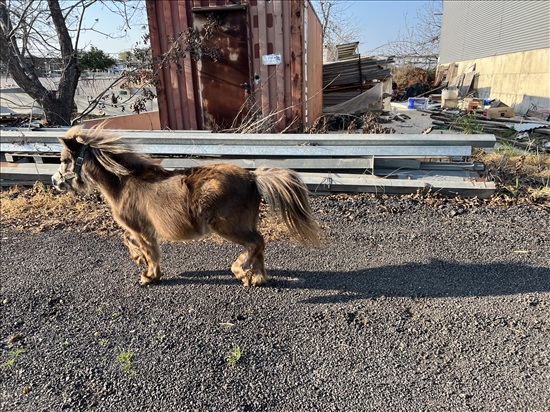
x,y
271,59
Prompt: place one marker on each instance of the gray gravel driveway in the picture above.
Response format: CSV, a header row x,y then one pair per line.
x,y
407,307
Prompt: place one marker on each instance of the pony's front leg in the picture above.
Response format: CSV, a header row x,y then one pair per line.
x,y
135,251
149,250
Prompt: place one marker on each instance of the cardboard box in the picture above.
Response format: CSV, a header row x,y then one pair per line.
x,y
471,103
449,103
496,112
449,99
447,94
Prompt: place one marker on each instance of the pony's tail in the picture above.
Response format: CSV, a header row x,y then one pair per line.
x,y
287,197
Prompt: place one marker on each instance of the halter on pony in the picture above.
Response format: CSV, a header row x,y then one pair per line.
x,y
65,177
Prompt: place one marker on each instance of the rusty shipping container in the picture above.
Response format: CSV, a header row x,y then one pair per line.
x,y
248,56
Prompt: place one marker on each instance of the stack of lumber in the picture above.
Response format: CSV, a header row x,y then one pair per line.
x,y
328,163
343,80
504,128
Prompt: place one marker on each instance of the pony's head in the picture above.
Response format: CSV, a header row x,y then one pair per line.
x,y
84,150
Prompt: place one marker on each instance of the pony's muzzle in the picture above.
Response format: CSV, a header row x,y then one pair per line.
x,y
56,179
59,182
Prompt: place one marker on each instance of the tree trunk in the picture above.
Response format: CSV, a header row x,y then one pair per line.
x,y
59,108
58,105
58,112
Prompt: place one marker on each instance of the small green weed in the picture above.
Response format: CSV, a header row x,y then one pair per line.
x,y
14,354
234,355
469,123
124,358
508,149
104,342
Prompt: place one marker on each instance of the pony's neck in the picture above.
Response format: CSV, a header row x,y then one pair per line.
x,y
108,183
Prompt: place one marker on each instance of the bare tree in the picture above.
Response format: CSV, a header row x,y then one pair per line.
x,y
418,44
34,29
338,26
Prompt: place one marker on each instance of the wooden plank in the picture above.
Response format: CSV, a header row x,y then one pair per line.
x,y
464,88
264,72
279,78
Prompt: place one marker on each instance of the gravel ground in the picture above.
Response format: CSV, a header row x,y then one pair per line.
x,y
407,307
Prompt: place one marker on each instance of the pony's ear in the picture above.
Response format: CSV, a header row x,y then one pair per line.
x,y
70,144
73,138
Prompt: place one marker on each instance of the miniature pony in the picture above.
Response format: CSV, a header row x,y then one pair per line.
x,y
152,203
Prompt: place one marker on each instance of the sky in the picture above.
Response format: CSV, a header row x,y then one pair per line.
x,y
380,22
110,33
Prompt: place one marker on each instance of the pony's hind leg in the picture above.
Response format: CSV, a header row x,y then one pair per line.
x,y
237,266
249,266
254,266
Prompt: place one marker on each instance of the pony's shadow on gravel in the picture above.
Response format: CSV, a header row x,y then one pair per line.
x,y
437,279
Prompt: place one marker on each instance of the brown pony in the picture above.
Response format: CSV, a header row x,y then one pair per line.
x,y
150,202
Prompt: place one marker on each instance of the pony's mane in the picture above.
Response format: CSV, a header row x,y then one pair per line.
x,y
108,149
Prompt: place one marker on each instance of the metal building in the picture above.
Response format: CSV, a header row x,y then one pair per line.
x,y
477,29
256,56
503,46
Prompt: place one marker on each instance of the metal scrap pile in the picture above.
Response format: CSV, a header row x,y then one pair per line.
x,y
344,80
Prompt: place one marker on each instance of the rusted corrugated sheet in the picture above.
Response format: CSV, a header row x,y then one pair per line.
x,y
208,92
314,67
176,90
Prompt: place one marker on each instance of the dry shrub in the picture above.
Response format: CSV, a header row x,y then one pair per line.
x,y
371,125
408,75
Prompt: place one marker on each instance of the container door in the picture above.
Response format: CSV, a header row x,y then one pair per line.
x,y
223,66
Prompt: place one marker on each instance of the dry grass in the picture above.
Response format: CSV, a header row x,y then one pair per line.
x,y
406,76
520,176
41,208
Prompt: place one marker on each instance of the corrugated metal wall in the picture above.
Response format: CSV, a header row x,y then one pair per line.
x,y
474,29
275,27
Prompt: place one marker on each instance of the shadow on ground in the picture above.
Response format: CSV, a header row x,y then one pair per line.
x,y
436,279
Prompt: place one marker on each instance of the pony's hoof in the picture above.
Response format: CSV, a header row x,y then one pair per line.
x,y
259,280
251,279
144,281
247,278
237,271
147,282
